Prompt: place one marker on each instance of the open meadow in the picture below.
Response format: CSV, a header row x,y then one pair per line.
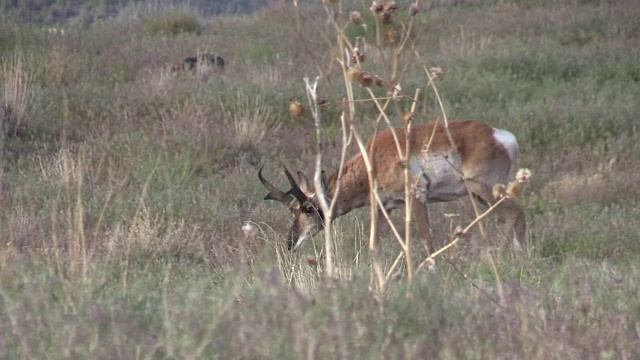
x,y
132,219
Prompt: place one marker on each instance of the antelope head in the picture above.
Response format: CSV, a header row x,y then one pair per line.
x,y
302,201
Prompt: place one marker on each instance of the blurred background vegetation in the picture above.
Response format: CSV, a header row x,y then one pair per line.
x,y
49,12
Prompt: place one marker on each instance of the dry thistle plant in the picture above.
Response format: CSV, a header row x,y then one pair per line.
x,y
406,163
355,74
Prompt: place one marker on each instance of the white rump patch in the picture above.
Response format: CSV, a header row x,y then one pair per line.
x,y
508,141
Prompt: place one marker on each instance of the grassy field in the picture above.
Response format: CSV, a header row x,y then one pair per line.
x,y
124,187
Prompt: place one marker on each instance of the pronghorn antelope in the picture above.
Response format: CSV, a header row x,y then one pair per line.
x,y
200,59
192,62
480,157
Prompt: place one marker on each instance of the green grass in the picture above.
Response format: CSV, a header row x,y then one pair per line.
x,y
172,23
121,208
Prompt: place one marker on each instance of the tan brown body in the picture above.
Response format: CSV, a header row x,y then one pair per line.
x,y
475,157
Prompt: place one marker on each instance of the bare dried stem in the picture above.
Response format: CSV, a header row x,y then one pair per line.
x,y
312,96
408,192
378,273
395,263
438,98
387,217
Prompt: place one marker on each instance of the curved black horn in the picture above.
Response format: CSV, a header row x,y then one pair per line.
x,y
274,193
295,188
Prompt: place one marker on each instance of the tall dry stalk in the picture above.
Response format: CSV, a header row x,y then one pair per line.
x,y
353,73
329,246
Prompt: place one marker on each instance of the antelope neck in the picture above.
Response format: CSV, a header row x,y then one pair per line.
x,y
354,187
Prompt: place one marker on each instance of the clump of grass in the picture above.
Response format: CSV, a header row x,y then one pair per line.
x,y
17,81
149,238
251,119
172,23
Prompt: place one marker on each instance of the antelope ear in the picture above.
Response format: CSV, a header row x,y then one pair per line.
x,y
305,184
294,205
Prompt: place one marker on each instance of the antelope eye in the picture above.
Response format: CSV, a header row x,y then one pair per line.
x,y
309,209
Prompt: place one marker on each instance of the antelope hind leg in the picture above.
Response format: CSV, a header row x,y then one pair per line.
x,y
511,211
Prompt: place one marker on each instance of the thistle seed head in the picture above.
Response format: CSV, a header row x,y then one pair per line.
x,y
296,109
436,73
385,17
390,7
514,188
414,10
499,191
408,117
358,56
377,7
392,36
523,175
355,18
357,75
